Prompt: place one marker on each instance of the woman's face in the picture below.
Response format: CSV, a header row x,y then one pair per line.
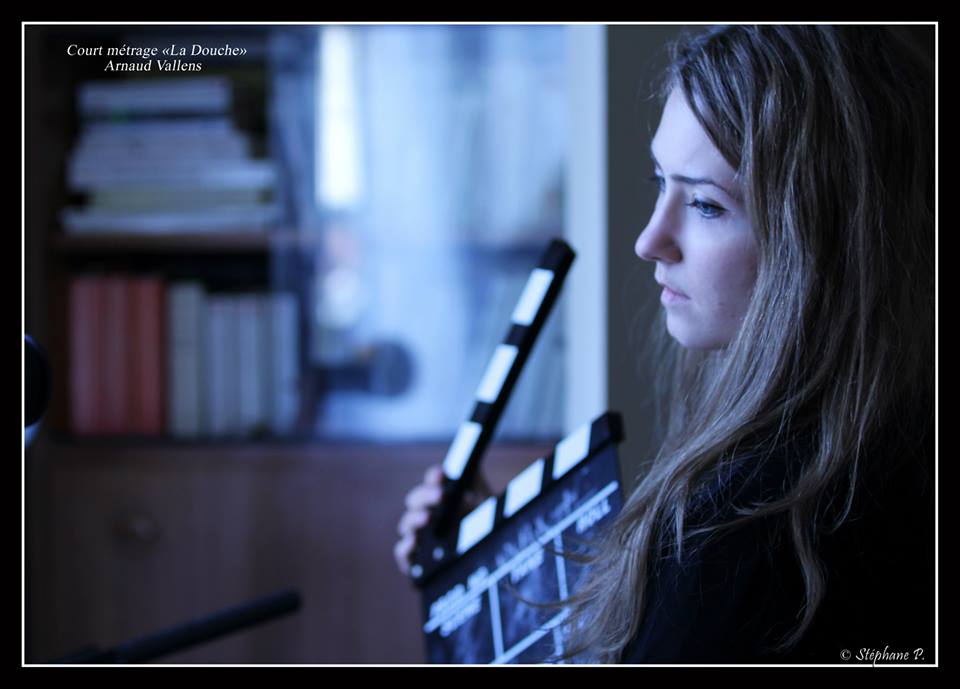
x,y
699,235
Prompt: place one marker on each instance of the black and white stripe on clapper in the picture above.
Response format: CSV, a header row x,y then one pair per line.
x,y
466,451
536,479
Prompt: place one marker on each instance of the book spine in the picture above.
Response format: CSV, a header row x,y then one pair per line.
x,y
265,363
252,218
285,358
146,372
223,367
249,371
245,174
84,358
159,199
114,361
154,96
230,354
159,128
105,149
186,326
216,366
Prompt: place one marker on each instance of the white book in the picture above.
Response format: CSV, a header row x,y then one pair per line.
x,y
230,354
265,362
284,335
153,133
89,153
215,372
145,198
186,330
249,371
242,174
210,95
250,217
221,367
159,127
106,149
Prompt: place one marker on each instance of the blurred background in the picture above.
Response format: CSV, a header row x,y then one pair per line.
x,y
268,283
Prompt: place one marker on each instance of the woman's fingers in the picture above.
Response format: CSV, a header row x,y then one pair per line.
x,y
422,497
433,475
411,521
428,495
402,552
420,501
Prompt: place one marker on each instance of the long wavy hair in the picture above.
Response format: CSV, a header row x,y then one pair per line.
x,y
830,130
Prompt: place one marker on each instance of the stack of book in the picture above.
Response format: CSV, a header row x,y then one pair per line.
x,y
153,358
162,155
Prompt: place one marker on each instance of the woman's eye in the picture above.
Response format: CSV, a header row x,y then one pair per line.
x,y
707,210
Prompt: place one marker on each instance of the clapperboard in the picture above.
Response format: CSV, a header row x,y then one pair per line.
x,y
476,573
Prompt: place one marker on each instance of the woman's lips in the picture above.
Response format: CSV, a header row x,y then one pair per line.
x,y
669,296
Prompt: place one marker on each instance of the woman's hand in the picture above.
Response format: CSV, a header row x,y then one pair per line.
x,y
419,503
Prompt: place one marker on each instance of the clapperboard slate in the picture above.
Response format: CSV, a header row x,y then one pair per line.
x,y
472,570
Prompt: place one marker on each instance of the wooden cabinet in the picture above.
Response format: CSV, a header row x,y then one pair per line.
x,y
127,541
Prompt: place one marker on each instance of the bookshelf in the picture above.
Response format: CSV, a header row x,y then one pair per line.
x,y
164,182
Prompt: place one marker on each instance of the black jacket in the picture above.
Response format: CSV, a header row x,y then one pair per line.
x,y
732,598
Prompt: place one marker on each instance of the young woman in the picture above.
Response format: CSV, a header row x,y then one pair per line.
x,y
788,516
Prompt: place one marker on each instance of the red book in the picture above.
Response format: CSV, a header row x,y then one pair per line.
x,y
146,355
115,333
86,399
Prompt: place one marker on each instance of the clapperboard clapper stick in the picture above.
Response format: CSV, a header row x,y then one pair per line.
x,y
466,451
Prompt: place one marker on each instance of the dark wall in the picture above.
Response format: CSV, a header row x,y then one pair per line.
x,y
636,56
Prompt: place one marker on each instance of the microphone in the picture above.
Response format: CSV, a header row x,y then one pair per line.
x,y
383,368
37,382
191,633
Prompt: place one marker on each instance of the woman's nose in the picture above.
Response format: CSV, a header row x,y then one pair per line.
x,y
657,242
